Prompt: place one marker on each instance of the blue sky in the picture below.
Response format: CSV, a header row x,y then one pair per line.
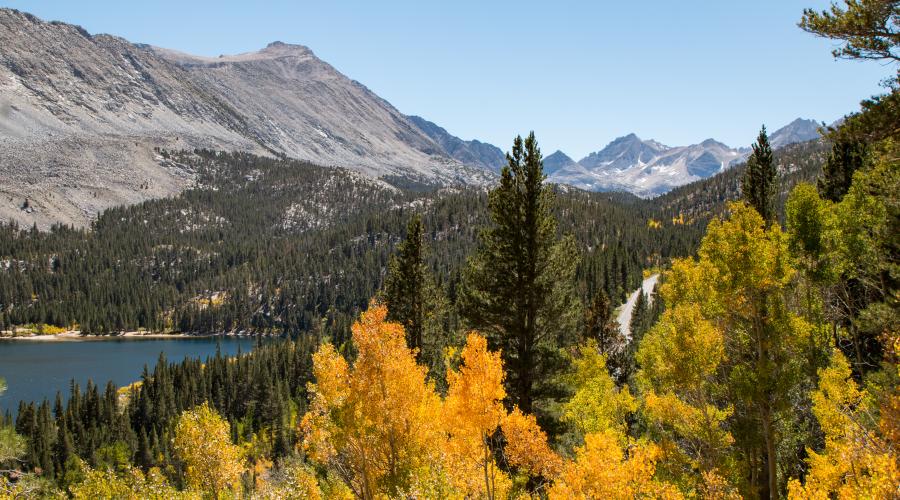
x,y
578,73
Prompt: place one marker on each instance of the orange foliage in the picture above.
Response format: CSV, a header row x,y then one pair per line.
x,y
473,411
527,446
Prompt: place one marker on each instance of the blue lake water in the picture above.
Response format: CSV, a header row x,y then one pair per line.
x,y
35,370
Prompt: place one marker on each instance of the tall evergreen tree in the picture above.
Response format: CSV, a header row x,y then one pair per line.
x,y
518,287
411,295
759,182
600,325
638,323
847,156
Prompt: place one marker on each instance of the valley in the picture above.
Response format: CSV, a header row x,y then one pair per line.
x,y
252,276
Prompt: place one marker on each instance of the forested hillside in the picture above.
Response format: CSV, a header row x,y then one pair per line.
x,y
257,246
273,245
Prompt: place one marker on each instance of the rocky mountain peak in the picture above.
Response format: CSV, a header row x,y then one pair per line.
x,y
556,161
623,152
285,52
474,152
708,143
281,48
558,155
799,130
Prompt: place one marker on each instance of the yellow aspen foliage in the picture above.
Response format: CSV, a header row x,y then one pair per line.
x,y
692,282
597,404
381,426
473,411
130,484
679,357
730,334
376,424
696,431
329,394
260,471
527,446
603,469
295,481
203,444
716,487
856,461
682,351
747,257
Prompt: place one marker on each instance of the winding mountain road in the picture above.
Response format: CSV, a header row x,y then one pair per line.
x,y
623,314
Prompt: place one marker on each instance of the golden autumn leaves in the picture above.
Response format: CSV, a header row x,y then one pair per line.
x,y
721,358
203,442
855,463
724,357
383,428
212,465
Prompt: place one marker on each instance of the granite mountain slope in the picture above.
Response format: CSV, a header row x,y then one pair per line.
x,y
474,152
81,117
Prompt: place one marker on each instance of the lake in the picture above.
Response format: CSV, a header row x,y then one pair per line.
x,y
35,370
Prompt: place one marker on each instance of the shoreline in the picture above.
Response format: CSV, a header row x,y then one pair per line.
x,y
76,336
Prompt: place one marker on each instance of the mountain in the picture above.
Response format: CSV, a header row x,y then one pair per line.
x,y
623,153
648,168
473,153
702,199
84,117
799,130
556,161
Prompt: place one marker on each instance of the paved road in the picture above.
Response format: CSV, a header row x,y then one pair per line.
x,y
623,314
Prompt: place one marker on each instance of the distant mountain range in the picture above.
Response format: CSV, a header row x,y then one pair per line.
x,y
642,167
83,119
647,168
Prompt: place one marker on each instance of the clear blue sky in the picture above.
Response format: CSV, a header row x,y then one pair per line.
x,y
578,73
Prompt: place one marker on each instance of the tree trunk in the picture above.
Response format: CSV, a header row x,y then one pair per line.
x,y
771,458
754,470
526,368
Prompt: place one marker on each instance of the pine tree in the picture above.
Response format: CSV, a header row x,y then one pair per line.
x,y
519,285
638,317
411,296
866,29
600,325
847,156
759,182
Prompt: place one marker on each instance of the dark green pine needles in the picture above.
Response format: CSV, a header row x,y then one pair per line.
x,y
518,287
759,182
